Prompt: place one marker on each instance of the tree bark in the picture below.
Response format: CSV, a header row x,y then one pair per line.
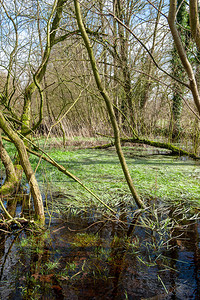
x,y
109,105
178,71
182,53
175,150
11,183
34,188
39,75
194,22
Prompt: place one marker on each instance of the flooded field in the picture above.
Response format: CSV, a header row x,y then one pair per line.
x,y
87,257
86,252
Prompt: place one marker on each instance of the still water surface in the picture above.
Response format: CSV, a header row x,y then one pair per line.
x,y
67,263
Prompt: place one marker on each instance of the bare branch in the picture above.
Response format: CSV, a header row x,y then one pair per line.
x,y
144,46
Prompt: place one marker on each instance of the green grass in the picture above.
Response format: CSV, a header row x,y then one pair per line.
x,y
158,176
168,178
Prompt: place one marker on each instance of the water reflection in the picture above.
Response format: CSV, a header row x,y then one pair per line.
x,y
68,263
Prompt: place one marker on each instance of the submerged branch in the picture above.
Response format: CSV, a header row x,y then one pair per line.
x,y
10,220
5,210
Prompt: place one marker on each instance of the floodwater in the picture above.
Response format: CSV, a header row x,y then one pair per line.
x,y
88,256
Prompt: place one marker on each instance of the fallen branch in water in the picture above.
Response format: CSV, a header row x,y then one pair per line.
x,y
16,221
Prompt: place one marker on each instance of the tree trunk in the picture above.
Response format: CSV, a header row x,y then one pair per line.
x,y
178,71
34,188
52,27
127,103
109,105
175,150
182,54
11,183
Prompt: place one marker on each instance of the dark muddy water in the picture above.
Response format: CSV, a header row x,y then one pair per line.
x,y
70,263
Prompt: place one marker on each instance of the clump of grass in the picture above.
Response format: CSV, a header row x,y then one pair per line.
x,y
86,240
162,228
51,265
34,243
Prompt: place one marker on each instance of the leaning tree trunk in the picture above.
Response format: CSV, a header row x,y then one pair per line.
x,y
11,183
195,28
34,188
109,106
52,27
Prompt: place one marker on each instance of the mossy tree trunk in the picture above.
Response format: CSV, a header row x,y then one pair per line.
x,y
146,85
21,149
11,182
52,27
178,70
127,100
195,28
175,150
194,22
109,106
